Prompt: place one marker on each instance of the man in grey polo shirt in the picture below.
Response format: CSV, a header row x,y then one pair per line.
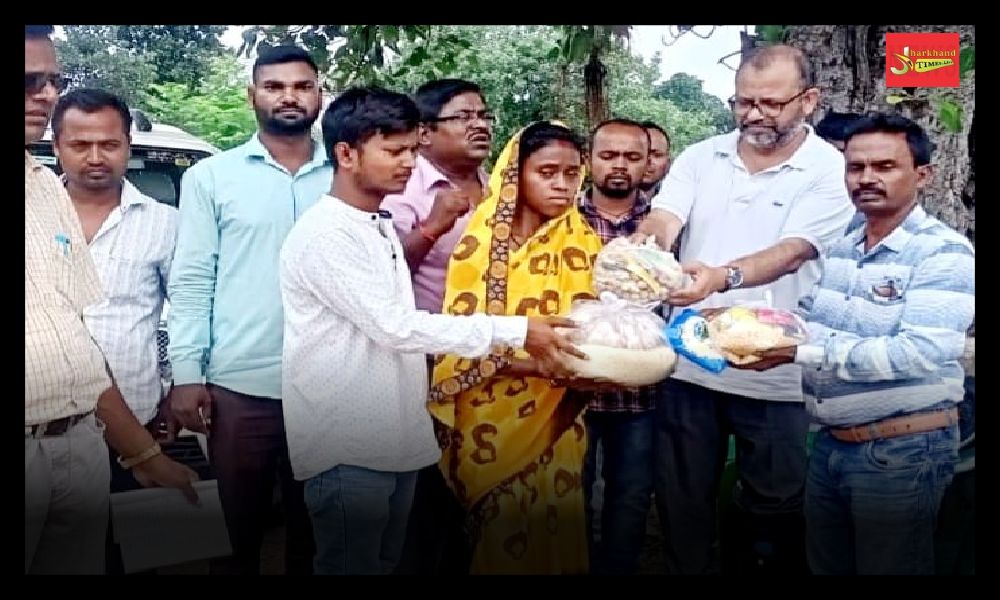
x,y
757,207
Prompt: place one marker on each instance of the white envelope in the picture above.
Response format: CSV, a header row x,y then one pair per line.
x,y
156,527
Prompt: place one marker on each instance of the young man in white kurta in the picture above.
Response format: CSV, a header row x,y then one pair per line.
x,y
354,372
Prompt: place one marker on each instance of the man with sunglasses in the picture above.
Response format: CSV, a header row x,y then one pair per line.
x,y
757,207
430,216
71,401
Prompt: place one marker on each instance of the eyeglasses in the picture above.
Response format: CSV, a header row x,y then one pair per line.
x,y
466,117
768,108
34,83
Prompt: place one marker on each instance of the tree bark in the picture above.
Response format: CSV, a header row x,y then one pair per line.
x,y
849,64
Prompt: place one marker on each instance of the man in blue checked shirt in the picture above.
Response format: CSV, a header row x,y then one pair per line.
x,y
881,370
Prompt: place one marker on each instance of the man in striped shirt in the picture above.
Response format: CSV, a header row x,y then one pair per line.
x,y
131,239
881,370
71,402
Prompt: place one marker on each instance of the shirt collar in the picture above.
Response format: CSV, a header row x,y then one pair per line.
x,y
430,176
898,238
804,156
254,148
586,202
130,195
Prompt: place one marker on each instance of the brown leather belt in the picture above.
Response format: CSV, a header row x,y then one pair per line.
x,y
54,428
897,426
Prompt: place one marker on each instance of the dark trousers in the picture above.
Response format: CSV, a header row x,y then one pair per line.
x,y
248,450
436,543
626,443
693,425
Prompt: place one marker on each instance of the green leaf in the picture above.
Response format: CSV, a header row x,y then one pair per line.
x,y
772,34
894,99
419,55
967,60
390,33
950,115
553,54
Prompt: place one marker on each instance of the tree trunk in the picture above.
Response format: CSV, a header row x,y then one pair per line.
x,y
849,62
597,99
559,92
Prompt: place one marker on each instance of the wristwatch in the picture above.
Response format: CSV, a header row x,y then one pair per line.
x,y
734,278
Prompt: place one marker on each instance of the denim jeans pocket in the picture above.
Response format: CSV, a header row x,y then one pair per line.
x,y
903,452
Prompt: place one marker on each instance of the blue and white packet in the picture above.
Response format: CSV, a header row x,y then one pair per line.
x,y
688,334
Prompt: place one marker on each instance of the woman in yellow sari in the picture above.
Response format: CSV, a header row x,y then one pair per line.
x,y
513,441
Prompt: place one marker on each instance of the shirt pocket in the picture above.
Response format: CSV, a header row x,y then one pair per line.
x,y
62,274
124,278
884,287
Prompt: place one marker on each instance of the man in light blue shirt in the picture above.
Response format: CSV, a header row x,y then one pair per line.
x,y
881,370
226,320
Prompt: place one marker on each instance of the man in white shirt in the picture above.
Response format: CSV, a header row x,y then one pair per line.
x,y
353,372
757,206
131,238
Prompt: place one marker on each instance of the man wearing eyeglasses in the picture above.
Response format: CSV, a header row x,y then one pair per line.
x,y
430,216
757,206
448,182
71,401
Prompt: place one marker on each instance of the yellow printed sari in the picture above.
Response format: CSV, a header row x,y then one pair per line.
x,y
513,449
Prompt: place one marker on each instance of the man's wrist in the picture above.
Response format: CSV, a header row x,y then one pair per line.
x,y
720,278
140,458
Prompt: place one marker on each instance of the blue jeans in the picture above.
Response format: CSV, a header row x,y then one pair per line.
x,y
871,508
626,442
359,519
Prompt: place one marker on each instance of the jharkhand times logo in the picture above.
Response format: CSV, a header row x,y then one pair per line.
x,y
929,60
922,59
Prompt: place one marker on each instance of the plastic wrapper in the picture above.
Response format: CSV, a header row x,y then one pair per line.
x,y
640,273
688,335
623,342
739,333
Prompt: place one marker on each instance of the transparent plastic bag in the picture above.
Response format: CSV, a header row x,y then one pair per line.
x,y
624,343
616,323
640,273
741,332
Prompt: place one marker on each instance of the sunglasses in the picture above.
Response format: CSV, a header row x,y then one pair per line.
x,y
34,83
